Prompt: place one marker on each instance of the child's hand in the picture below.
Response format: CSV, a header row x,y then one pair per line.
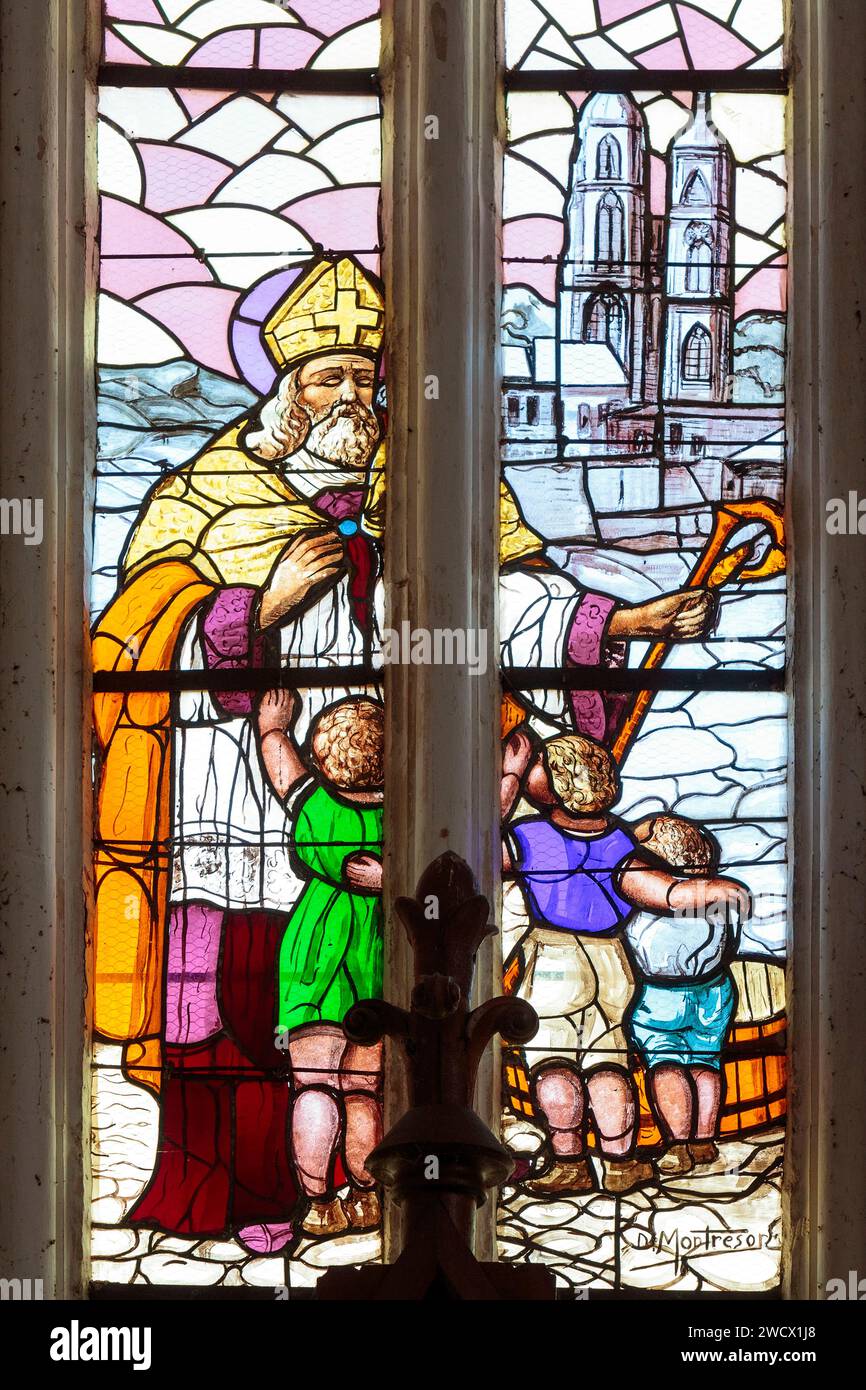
x,y
719,900
517,754
277,711
728,901
364,871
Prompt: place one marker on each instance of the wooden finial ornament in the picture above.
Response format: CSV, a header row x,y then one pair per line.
x,y
440,1159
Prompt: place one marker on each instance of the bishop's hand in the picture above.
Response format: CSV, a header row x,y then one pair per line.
x,y
686,616
309,565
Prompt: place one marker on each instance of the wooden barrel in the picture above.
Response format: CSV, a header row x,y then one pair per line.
x,y
754,1063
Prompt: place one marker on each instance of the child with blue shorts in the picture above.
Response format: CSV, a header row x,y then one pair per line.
x,y
686,998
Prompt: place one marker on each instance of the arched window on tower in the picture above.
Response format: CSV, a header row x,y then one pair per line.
x,y
699,258
610,231
604,321
696,189
697,354
608,162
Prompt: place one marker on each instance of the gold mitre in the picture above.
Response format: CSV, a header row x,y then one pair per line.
x,y
335,307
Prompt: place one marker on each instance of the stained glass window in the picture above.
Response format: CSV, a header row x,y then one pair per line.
x,y
656,35
267,34
643,621
237,604
236,599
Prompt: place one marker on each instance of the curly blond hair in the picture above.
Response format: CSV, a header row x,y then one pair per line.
x,y
348,743
679,842
582,773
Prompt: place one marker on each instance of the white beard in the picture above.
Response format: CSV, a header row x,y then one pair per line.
x,y
335,454
342,439
310,475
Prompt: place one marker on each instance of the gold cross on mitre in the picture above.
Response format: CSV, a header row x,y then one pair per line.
x,y
334,307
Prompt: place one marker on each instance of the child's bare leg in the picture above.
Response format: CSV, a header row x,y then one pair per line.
x,y
360,1080
559,1094
672,1093
708,1085
611,1098
315,1053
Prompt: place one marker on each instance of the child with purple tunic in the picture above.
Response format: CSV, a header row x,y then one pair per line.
x,y
582,873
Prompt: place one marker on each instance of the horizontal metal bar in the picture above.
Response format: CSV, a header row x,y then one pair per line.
x,y
655,261
640,80
263,678
630,679
360,82
599,441
275,1072
516,678
350,82
235,255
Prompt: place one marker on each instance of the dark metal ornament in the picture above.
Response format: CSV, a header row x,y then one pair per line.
x,y
440,1159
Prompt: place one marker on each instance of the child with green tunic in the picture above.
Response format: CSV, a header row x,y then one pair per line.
x,y
331,951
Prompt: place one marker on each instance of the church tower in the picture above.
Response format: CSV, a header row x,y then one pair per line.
x,y
698,286
603,295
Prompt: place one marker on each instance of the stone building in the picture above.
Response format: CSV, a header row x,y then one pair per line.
x,y
638,382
